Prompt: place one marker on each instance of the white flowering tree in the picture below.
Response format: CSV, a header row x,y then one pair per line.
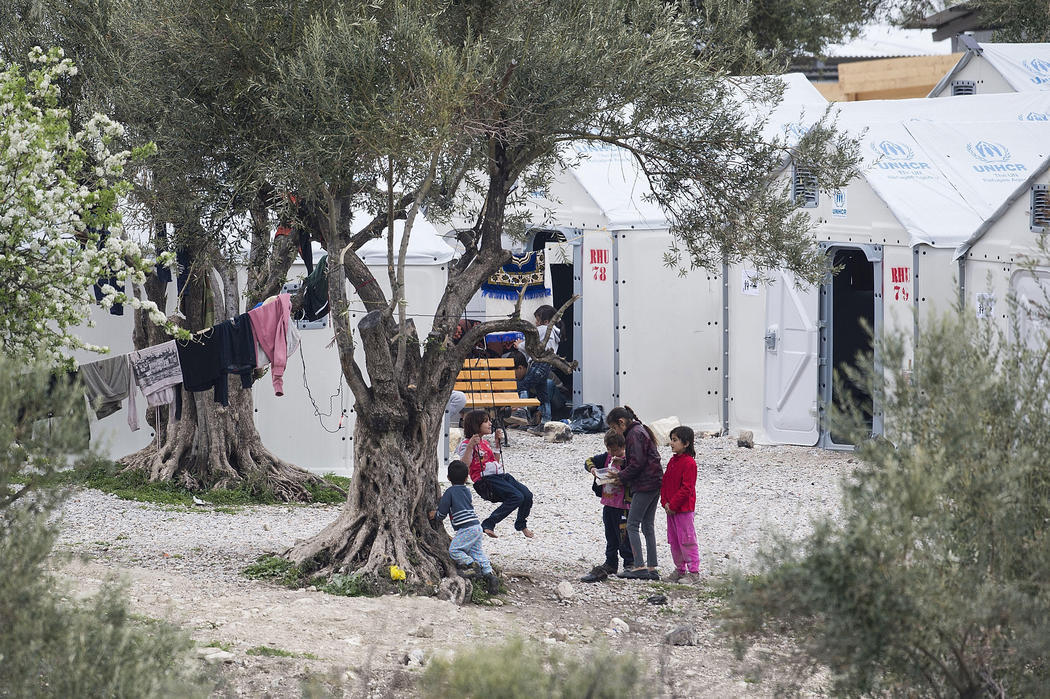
x,y
58,193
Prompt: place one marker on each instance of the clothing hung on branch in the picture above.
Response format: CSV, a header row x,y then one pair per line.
x,y
209,359
156,371
525,270
270,325
106,383
315,295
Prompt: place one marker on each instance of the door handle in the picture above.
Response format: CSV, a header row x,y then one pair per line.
x,y
771,339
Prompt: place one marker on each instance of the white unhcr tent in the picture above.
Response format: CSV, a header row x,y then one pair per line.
x,y
991,68
932,182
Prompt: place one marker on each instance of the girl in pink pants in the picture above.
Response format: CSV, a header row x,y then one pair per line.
x,y
678,498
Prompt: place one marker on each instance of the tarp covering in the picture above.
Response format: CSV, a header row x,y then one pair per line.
x,y
425,244
945,167
608,189
1025,66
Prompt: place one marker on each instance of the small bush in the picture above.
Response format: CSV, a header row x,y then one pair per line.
x,y
350,586
269,652
50,647
933,580
276,569
529,670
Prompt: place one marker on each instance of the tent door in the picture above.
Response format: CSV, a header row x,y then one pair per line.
x,y
850,315
790,411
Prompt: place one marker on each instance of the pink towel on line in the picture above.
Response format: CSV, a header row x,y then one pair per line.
x,y
270,327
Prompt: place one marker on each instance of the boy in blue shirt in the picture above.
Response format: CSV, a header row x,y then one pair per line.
x,y
457,504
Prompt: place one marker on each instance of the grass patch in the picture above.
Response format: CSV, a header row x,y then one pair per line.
x,y
109,477
270,652
220,645
275,569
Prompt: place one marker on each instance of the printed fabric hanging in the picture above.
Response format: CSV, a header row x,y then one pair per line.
x,y
525,270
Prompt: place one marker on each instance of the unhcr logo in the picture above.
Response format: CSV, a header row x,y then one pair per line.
x,y
1034,116
1039,68
896,156
995,155
893,150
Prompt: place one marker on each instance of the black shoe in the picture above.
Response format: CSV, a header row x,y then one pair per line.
x,y
637,574
597,574
492,583
652,575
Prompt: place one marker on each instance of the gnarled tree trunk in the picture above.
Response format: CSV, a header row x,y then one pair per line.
x,y
384,521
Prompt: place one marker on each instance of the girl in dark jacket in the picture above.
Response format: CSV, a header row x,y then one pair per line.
x,y
642,473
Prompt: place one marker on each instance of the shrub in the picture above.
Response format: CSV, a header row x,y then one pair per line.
x,y
528,670
50,647
934,581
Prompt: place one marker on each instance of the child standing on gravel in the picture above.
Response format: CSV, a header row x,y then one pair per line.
x,y
642,473
491,481
457,504
678,498
615,503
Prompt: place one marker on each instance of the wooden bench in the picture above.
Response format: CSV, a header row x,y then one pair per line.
x,y
490,383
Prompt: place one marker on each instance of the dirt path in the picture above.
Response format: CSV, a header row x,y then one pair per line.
x,y
363,642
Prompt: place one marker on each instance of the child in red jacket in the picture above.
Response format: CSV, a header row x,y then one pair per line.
x,y
678,498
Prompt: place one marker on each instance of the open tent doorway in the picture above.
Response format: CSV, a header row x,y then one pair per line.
x,y
563,286
851,315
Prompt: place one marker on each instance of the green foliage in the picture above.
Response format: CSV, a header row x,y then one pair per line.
x,y
527,670
268,652
934,580
350,586
276,569
51,647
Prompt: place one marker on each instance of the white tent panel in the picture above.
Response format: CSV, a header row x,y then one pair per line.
x,y
985,162
1026,67
791,366
747,353
1030,106
670,334
596,356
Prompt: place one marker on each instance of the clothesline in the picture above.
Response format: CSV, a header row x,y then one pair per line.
x,y
263,336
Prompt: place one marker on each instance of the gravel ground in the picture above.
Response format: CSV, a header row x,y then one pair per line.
x,y
741,495
184,565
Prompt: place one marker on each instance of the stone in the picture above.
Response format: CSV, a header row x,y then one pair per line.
x,y
561,634
564,590
455,436
657,599
422,631
220,656
683,635
556,432
617,625
662,429
746,439
415,657
494,602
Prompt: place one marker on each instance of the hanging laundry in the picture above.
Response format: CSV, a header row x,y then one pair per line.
x,y
106,383
262,359
315,297
270,326
156,372
524,270
210,357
